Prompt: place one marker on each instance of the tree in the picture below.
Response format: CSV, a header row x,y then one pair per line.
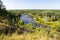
x,y
1,5
3,11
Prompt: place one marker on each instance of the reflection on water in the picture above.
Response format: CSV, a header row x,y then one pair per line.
x,y
26,19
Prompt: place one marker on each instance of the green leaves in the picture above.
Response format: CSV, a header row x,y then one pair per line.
x,y
28,26
57,28
20,23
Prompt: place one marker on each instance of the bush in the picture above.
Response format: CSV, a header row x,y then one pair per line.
x,y
29,26
20,23
57,28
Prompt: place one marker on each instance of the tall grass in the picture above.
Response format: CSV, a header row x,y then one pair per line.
x,y
38,34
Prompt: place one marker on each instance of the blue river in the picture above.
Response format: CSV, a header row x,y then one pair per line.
x,y
27,19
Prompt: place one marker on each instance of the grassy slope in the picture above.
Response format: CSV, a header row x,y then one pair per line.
x,y
38,34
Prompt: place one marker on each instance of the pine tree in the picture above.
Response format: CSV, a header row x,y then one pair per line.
x,y
3,11
1,5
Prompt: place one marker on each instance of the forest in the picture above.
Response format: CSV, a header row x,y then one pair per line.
x,y
46,25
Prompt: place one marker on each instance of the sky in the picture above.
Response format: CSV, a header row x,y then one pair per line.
x,y
32,4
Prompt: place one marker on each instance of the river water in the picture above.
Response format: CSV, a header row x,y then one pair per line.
x,y
26,19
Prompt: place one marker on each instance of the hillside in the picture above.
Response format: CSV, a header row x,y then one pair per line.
x,y
47,25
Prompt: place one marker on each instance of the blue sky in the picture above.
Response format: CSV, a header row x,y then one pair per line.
x,y
32,4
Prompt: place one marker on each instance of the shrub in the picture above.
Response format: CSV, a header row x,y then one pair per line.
x,y
57,28
29,26
20,23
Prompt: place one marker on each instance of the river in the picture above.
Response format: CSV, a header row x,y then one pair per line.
x,y
29,19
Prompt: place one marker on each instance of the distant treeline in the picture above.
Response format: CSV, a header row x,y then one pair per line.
x,y
37,12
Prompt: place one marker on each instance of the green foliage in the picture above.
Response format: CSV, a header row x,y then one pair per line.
x,y
57,28
20,23
29,26
13,17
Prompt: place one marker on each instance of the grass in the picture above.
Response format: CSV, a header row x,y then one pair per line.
x,y
38,34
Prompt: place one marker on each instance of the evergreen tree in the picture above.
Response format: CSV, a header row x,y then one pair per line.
x,y
1,5
3,11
